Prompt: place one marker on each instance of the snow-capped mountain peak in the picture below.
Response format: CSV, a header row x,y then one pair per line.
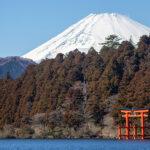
x,y
89,32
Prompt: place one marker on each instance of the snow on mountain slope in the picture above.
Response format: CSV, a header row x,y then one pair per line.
x,y
89,32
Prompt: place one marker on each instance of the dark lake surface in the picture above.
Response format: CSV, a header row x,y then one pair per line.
x,y
73,145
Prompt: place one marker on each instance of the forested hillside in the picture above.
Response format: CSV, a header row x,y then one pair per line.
x,y
69,96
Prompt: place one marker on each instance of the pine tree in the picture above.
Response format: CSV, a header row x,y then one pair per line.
x,y
8,76
112,41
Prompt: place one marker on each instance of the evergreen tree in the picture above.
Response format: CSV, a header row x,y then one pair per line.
x,y
112,41
8,76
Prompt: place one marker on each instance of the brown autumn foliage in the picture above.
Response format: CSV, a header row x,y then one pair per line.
x,y
74,89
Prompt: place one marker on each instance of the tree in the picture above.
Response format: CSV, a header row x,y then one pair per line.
x,y
112,41
8,76
131,40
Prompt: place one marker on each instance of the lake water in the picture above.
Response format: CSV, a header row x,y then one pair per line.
x,y
73,145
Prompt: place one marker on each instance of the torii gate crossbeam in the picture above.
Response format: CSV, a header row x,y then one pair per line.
x,y
141,113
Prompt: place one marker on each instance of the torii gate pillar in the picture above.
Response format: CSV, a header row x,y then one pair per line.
x,y
141,113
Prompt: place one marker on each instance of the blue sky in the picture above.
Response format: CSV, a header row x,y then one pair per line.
x,y
25,24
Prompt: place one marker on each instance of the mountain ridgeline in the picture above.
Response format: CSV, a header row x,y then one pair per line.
x,y
13,67
71,95
89,32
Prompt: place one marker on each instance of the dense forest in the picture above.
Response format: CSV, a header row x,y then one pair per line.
x,y
71,95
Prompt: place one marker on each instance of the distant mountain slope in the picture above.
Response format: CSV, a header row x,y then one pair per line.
x,y
89,32
14,66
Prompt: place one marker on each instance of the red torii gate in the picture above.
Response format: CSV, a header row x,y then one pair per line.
x,y
141,113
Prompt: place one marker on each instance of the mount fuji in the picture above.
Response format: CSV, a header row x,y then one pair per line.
x,y
89,32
